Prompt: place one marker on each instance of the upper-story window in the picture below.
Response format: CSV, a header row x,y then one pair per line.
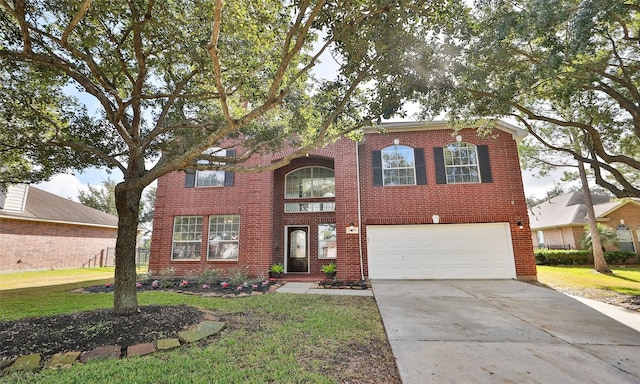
x,y
398,165
211,178
461,163
310,182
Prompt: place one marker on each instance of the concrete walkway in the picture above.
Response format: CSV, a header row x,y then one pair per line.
x,y
502,331
621,315
292,287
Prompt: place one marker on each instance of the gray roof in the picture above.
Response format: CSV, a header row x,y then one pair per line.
x,y
569,210
47,207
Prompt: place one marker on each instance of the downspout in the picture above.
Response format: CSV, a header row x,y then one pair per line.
x,y
359,212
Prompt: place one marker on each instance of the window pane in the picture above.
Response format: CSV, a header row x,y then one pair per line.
x,y
327,241
398,165
625,240
210,178
224,232
187,235
310,182
461,163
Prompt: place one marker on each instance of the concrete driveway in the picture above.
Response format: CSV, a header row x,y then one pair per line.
x,y
502,331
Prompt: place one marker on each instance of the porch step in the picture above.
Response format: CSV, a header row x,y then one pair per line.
x,y
302,278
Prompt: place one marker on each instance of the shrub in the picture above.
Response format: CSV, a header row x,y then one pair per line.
x,y
618,257
210,276
561,257
237,276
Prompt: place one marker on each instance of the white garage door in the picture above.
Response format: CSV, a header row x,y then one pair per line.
x,y
440,251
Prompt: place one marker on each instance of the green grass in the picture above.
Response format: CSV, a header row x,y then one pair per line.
x,y
623,280
291,339
43,278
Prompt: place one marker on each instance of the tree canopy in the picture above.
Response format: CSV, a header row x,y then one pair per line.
x,y
555,66
148,87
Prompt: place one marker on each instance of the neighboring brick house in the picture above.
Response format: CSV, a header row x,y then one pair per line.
x,y
560,221
414,202
39,230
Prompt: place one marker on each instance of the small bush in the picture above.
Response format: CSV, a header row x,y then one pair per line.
x,y
618,257
561,257
210,276
237,276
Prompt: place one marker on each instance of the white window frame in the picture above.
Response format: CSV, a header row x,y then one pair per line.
x,y
217,175
192,236
410,171
229,242
460,162
312,178
324,249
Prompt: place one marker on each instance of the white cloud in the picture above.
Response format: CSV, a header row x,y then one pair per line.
x,y
64,185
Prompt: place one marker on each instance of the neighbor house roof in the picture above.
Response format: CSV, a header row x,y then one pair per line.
x,y
47,207
570,209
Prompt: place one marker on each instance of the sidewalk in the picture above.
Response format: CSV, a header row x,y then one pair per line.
x,y
302,288
628,318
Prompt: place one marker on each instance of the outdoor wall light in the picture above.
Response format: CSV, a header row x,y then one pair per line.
x,y
520,225
436,219
352,228
459,138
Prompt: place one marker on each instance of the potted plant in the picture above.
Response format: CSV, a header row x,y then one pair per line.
x,y
330,270
276,269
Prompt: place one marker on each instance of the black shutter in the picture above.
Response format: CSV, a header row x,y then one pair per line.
x,y
190,179
421,169
485,164
438,160
228,175
377,167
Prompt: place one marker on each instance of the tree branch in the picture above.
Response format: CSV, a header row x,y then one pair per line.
x,y
84,7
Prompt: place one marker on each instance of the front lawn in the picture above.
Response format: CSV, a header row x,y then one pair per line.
x,y
13,280
624,280
274,338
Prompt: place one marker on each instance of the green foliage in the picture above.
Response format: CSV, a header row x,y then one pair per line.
x,y
102,198
578,257
618,257
561,257
558,67
277,268
329,268
237,276
607,236
209,276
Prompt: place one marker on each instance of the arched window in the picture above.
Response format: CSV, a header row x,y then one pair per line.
x,y
310,182
625,239
461,163
398,165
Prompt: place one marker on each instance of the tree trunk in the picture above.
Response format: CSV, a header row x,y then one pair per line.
x,y
125,299
599,262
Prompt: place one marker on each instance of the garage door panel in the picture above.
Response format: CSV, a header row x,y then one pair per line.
x,y
440,251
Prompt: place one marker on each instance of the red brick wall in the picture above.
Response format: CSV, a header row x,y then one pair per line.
x,y
502,200
259,200
27,245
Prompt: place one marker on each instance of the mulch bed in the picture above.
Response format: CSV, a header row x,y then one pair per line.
x,y
84,331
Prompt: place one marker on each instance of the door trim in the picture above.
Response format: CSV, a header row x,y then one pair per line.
x,y
286,247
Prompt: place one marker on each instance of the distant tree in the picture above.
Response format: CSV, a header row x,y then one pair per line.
x,y
101,197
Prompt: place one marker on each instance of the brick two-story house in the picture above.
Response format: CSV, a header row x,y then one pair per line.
x,y
417,201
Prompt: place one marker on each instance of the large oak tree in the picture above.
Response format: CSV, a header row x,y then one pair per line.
x,y
554,65
158,83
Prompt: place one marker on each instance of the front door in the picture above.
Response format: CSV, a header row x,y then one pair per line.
x,y
297,249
